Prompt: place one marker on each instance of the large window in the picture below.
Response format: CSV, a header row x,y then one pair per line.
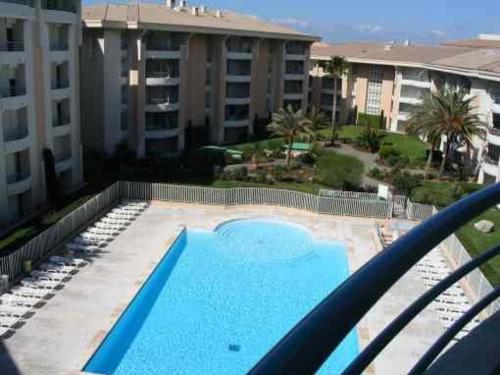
x,y
374,92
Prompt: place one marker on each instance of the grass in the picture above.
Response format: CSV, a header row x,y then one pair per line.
x,y
339,171
311,188
440,193
476,243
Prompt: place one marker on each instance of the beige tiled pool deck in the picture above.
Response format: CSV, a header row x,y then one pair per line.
x,y
63,334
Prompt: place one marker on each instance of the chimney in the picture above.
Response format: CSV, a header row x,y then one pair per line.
x,y
183,3
218,14
171,4
195,11
407,42
203,9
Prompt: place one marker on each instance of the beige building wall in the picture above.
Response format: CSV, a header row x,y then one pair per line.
x,y
38,70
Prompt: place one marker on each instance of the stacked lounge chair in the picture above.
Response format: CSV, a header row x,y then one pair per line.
x,y
34,290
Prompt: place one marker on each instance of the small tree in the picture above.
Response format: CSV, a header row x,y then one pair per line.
x,y
317,121
448,115
336,68
290,125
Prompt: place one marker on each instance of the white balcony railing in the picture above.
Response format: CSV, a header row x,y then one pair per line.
x,y
20,132
12,47
14,178
9,92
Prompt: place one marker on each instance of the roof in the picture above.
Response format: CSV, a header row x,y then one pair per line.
x,y
412,53
474,43
460,59
182,19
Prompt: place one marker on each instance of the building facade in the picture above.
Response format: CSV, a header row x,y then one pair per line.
x,y
161,78
39,101
391,79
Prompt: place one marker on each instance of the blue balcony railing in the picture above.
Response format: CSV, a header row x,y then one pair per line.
x,y
309,344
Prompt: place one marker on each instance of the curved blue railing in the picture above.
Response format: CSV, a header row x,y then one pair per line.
x,y
307,346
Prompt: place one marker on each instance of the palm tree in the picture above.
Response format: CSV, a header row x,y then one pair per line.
x,y
318,121
446,114
290,125
336,68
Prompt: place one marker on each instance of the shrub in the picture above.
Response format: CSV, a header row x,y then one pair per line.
x,y
376,173
442,194
339,171
370,138
393,157
405,181
373,121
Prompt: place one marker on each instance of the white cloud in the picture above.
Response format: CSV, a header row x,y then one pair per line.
x,y
294,22
438,33
365,28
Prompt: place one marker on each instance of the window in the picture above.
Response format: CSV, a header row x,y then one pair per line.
x,y
374,94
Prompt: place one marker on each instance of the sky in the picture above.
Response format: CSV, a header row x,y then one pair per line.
x,y
421,21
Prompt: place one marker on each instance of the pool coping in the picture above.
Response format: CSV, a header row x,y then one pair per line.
x,y
99,338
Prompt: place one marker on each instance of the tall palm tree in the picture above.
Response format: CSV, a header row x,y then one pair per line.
x,y
318,121
336,68
290,125
449,115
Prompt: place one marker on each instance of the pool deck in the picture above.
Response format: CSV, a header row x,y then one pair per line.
x,y
63,334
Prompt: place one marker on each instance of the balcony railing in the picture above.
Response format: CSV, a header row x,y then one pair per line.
x,y
62,5
59,46
62,157
18,176
295,50
20,2
490,160
162,74
8,92
12,46
61,121
163,100
495,131
62,84
161,125
19,133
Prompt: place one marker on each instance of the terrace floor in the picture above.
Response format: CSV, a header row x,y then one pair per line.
x,y
63,334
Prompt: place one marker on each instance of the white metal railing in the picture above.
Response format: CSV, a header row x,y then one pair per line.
x,y
47,241
328,202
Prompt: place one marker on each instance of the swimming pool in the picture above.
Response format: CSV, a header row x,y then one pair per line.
x,y
218,301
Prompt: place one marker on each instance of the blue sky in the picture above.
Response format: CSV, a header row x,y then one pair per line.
x,y
425,21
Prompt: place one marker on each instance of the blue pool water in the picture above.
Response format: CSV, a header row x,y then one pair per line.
x,y
218,301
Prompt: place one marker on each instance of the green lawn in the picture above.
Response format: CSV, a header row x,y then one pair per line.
x,y
407,145
311,188
476,243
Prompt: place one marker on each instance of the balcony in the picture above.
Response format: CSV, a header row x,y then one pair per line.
x,y
162,104
60,5
494,136
18,183
161,133
403,116
236,123
12,46
416,83
490,166
164,78
410,100
63,84
15,133
61,121
59,46
28,3
496,103
11,92
239,55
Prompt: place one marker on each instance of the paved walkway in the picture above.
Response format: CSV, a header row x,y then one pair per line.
x,y
63,334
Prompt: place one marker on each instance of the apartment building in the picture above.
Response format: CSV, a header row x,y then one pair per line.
x,y
162,77
390,79
39,101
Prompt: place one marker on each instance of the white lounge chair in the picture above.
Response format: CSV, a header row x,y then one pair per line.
x,y
9,321
13,300
18,311
105,229
121,216
82,248
58,268
93,237
69,261
32,282
50,276
31,292
117,221
86,241
5,330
